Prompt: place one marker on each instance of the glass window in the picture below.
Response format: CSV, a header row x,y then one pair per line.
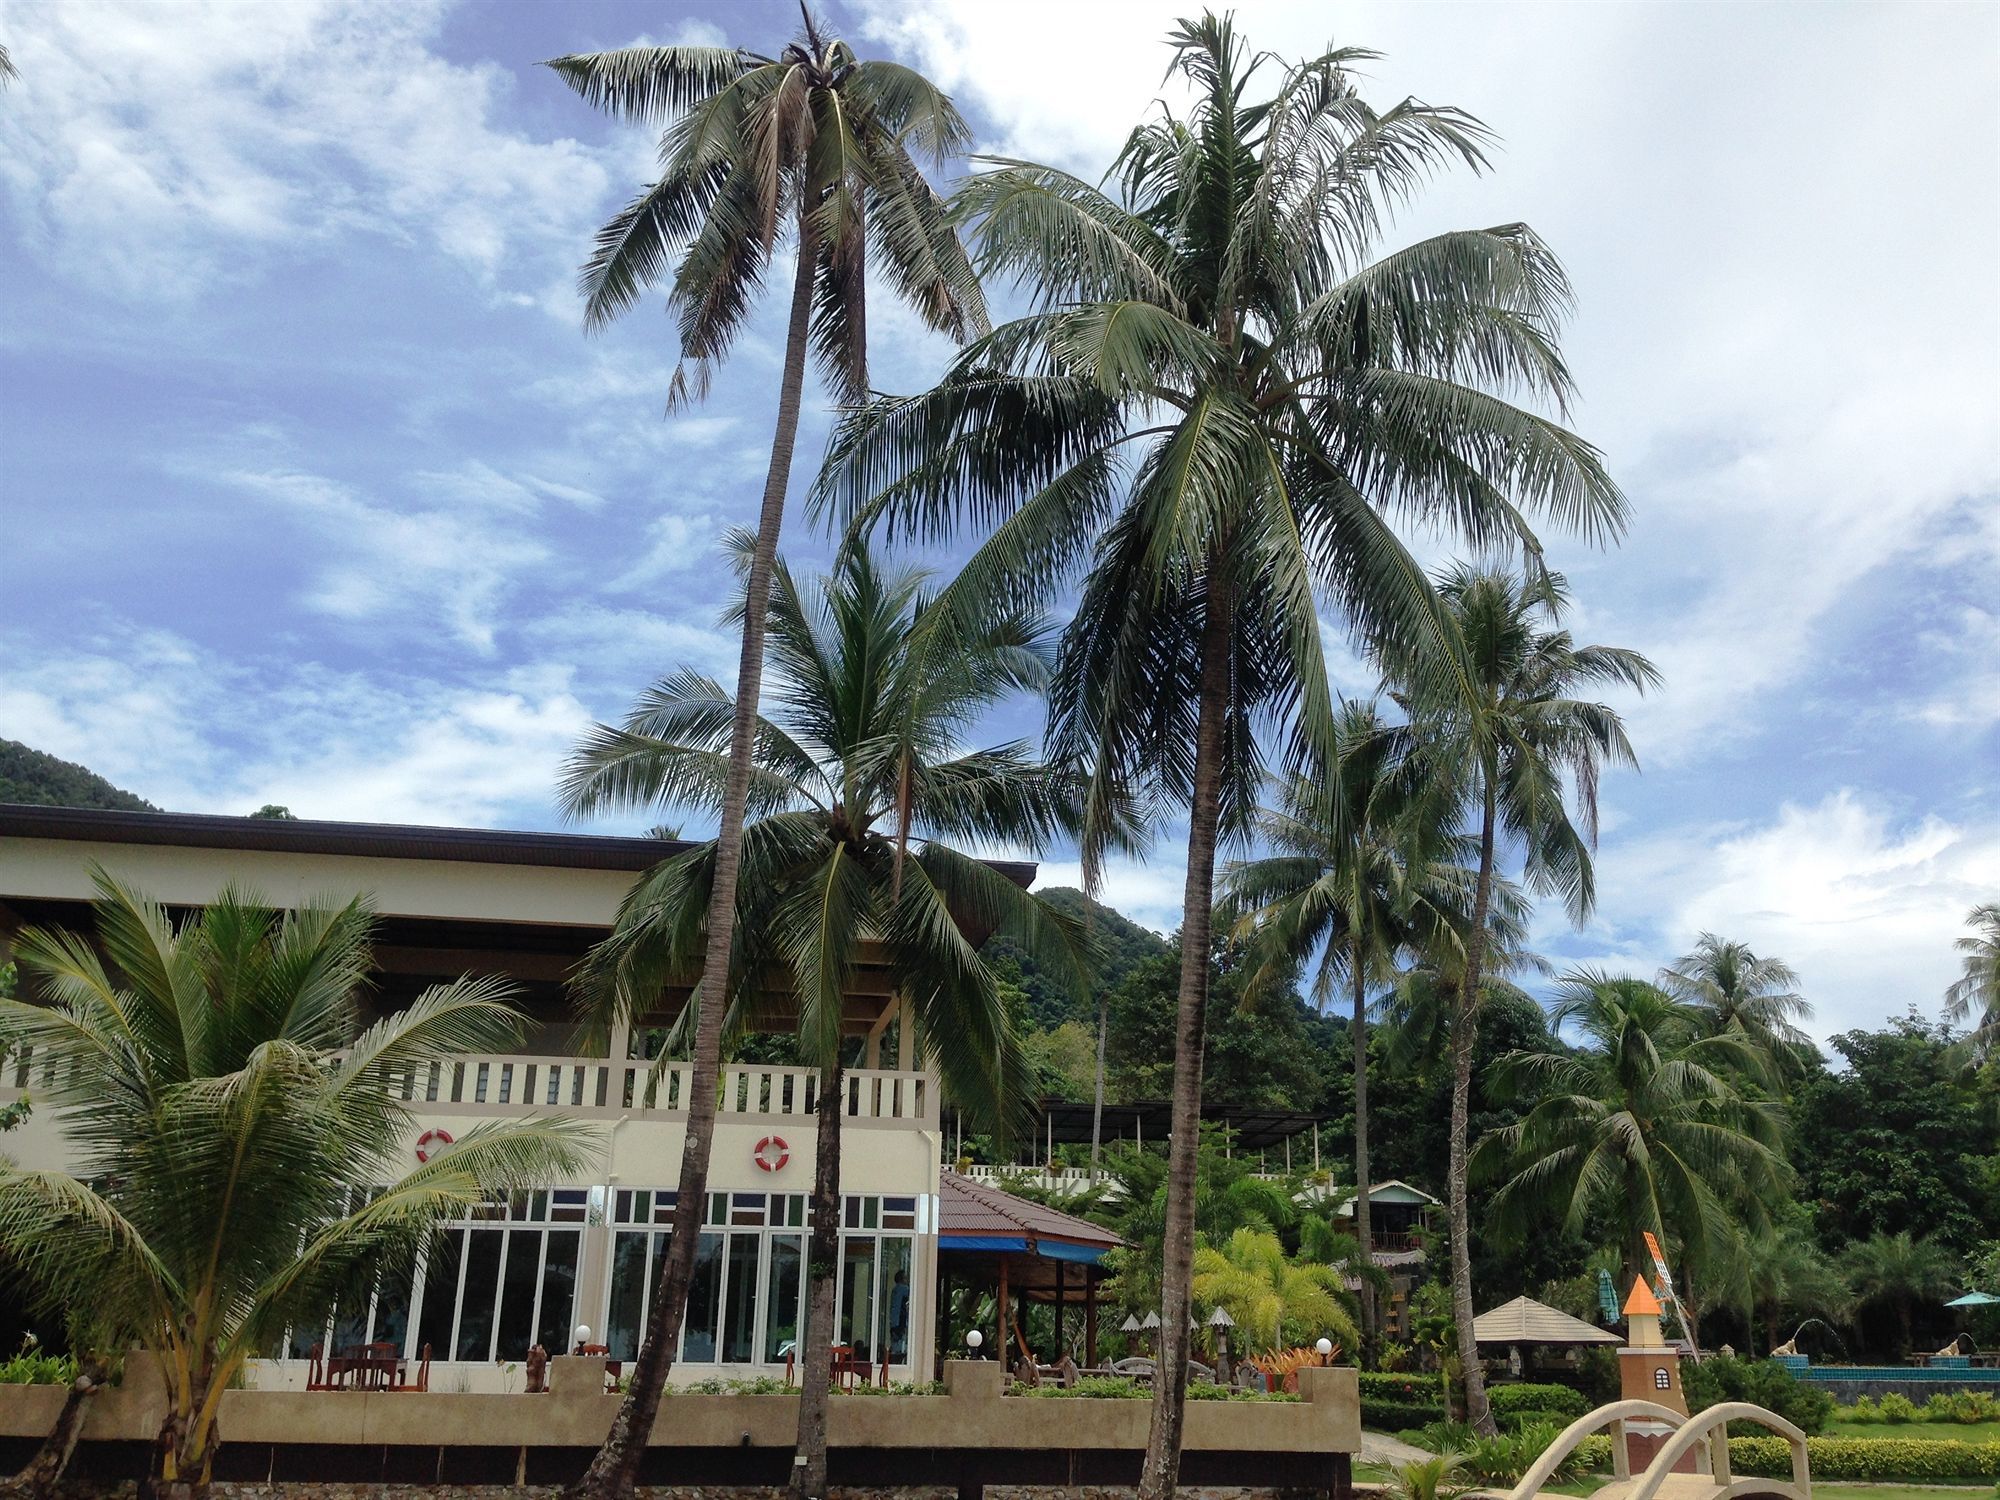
x,y
558,1290
899,1213
629,1284
857,1294
392,1312
781,1301
894,1336
704,1304
482,1282
520,1279
440,1304
739,1314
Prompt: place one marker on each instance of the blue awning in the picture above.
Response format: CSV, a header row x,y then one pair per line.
x,y
1088,1255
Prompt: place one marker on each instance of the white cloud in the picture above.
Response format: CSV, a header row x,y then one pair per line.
x,y
378,561
197,732
1785,331
1864,904
1149,893
150,147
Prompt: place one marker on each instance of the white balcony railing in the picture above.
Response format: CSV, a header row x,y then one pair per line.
x,y
501,1084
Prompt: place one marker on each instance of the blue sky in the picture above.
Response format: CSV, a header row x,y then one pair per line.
x,y
313,491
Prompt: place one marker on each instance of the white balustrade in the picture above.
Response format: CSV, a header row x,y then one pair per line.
x,y
510,1084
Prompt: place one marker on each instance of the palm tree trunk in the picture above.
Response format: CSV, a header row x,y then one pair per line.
x,y
1464,1033
615,1470
1163,1442
45,1470
822,1273
1363,1224
1097,1099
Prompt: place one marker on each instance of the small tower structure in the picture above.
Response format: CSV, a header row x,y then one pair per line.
x,y
1649,1369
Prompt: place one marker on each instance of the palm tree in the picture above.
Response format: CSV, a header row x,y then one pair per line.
x,y
1641,1126
1277,1302
861,757
1364,864
1212,411
234,1123
1739,991
820,141
1781,1273
1900,1270
1974,996
1516,741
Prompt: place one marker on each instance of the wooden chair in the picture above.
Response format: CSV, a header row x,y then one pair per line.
x,y
316,1369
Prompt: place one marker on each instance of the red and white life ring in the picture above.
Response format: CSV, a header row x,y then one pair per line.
x,y
424,1142
771,1153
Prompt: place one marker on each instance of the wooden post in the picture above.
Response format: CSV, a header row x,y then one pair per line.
x,y
1000,1306
1059,1314
1090,1316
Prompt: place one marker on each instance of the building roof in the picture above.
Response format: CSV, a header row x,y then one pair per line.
x,y
974,1215
1642,1302
576,851
1526,1321
1395,1191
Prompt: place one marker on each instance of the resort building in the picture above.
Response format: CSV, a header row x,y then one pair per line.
x,y
581,1252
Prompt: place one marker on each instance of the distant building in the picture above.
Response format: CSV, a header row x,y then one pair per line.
x,y
586,1250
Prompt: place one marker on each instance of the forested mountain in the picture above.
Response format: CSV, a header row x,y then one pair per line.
x,y
42,780
1125,946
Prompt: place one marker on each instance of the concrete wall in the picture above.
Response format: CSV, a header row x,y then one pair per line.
x,y
399,1434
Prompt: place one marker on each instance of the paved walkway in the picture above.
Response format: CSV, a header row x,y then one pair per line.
x,y
1380,1448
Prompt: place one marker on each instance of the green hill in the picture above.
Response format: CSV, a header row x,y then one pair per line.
x,y
41,780
1126,945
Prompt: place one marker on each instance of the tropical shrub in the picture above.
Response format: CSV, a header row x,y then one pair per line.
x,y
1863,1412
1896,1408
32,1367
1503,1459
1965,1407
1438,1478
1871,1459
1441,1437
1761,1382
1532,1396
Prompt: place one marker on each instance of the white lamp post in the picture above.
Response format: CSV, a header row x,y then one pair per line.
x,y
1324,1348
973,1340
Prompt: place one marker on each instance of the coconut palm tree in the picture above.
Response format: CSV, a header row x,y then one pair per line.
x,y
1781,1273
1641,1126
1738,990
1519,743
1276,1301
825,145
861,757
1898,1271
234,1123
1974,997
1365,862
1212,414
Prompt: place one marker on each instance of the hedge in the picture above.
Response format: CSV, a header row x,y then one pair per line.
x,y
1424,1390
1395,1416
1912,1460
1557,1400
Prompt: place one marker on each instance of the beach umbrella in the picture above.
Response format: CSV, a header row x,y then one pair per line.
x,y
1974,1299
1130,1325
1152,1321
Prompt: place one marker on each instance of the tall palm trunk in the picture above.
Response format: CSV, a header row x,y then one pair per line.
x,y
615,1470
812,1354
1163,1442
1097,1098
1363,1224
1464,1033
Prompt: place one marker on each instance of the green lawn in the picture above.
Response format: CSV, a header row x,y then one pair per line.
x,y
1896,1491
1962,1432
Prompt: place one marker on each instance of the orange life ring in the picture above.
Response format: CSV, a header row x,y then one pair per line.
x,y
441,1136
771,1153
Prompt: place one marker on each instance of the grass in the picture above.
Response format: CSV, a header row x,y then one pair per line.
x,y
1962,1432
1896,1491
